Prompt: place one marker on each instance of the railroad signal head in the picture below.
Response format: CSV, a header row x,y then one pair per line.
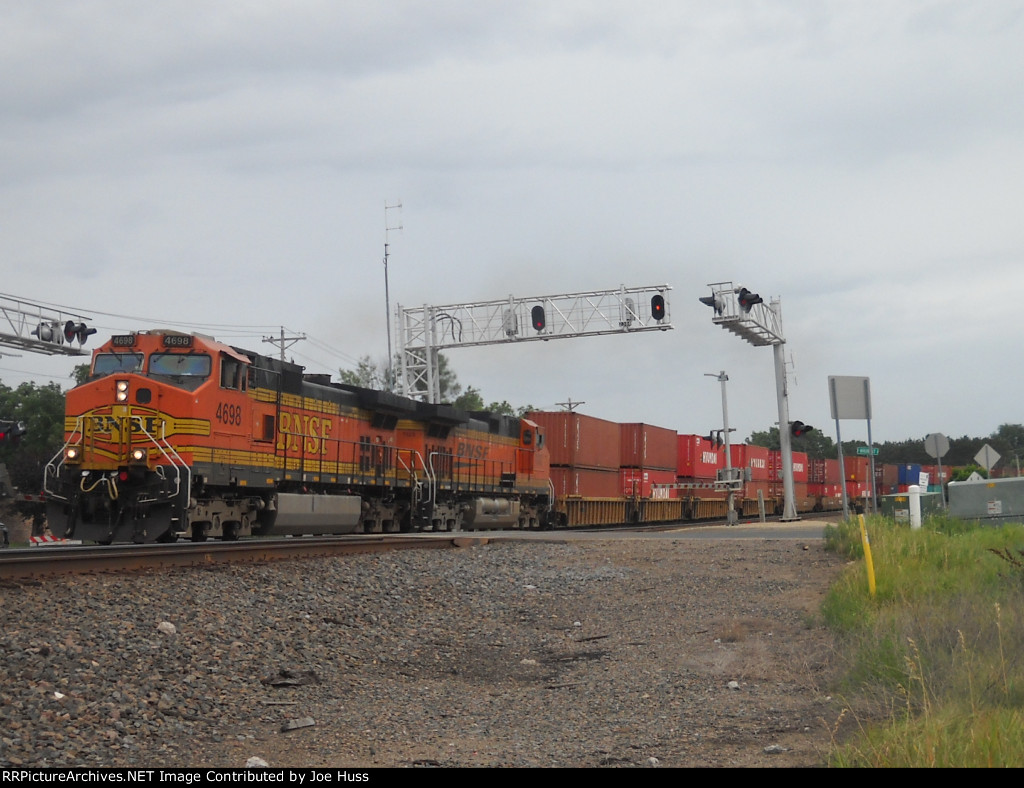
x,y
79,331
715,302
11,431
798,429
658,307
715,439
49,332
538,318
747,299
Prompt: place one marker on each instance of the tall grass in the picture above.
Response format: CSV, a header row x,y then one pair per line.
x,y
938,651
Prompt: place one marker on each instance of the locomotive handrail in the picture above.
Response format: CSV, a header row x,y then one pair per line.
x,y
174,459
52,470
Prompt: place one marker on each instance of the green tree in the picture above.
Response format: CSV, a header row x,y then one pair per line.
x,y
368,374
374,375
41,409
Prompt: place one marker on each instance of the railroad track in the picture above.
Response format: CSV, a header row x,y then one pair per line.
x,y
40,562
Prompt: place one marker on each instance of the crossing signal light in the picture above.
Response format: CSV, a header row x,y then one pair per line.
x,y
715,439
11,431
798,429
748,299
538,317
714,302
79,331
658,307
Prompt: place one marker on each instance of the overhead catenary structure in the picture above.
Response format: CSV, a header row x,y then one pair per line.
x,y
427,330
745,314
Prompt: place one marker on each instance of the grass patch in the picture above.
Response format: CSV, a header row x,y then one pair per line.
x,y
938,648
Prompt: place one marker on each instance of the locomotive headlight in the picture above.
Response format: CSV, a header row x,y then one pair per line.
x,y
72,454
121,389
138,455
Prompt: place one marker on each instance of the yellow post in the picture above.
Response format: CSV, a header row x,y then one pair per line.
x,y
867,555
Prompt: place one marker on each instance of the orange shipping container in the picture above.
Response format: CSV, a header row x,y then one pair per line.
x,y
585,482
644,446
580,441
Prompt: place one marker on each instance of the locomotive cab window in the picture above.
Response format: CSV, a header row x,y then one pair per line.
x,y
110,363
231,374
188,370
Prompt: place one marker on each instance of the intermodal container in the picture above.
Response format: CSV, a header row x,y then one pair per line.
x,y
832,472
580,441
753,457
856,469
908,473
646,446
639,483
698,458
801,467
585,482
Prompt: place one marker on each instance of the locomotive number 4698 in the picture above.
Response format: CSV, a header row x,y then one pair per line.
x,y
229,414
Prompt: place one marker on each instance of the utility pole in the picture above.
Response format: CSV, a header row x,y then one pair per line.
x,y
283,341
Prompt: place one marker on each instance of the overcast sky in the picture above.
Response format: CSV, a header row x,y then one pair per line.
x,y
225,166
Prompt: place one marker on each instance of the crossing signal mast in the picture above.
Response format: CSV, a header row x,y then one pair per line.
x,y
427,330
744,313
41,329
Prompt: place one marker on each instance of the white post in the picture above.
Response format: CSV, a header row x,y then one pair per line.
x,y
914,499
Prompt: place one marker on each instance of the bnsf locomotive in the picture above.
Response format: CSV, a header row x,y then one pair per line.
x,y
177,434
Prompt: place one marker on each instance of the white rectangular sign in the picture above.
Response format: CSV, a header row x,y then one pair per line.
x,y
849,397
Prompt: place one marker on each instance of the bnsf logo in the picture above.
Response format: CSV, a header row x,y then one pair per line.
x,y
473,451
110,425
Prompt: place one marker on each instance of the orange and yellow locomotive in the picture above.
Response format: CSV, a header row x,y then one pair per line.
x,y
177,434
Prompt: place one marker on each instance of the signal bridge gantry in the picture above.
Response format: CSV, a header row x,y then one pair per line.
x,y
55,331
427,330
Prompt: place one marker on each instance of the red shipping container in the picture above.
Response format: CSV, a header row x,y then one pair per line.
x,y
698,458
639,483
816,472
800,467
857,490
832,472
753,457
585,482
644,446
857,469
580,441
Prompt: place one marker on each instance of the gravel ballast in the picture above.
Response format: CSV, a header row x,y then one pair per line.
x,y
654,652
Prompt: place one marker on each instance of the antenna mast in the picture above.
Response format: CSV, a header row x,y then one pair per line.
x,y
387,295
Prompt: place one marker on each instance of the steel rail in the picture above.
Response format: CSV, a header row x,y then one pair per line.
x,y
40,562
